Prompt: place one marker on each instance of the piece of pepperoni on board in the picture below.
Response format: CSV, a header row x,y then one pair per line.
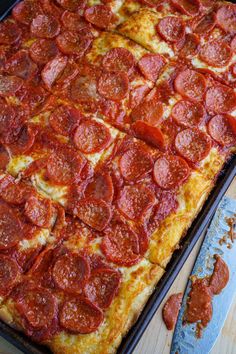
x,y
39,211
222,128
190,84
225,18
149,111
101,187
45,26
216,53
94,212
171,28
71,272
79,315
43,50
10,227
37,305
4,157
26,11
187,7
188,114
102,287
74,43
9,85
10,32
135,164
151,135
53,70
99,15
206,24
91,137
151,65
65,119
193,144
74,22
170,171
135,201
119,59
113,85
21,65
220,99
9,274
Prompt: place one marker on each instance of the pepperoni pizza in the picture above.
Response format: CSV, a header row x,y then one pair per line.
x,y
116,118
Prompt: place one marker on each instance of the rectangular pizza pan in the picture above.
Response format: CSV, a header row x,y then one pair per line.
x,y
176,263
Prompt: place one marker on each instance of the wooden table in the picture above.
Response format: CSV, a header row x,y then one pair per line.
x,y
156,339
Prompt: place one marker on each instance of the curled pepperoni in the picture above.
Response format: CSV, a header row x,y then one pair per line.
x,y
73,43
188,7
151,65
190,46
91,137
192,144
43,50
225,18
53,70
39,211
64,166
170,171
152,135
25,140
171,28
190,84
4,157
38,306
101,187
10,228
149,111
216,53
71,5
222,128
65,119
220,99
135,164
9,85
99,15
206,24
70,272
118,59
21,65
121,245
113,85
9,274
187,113
94,212
26,11
14,193
45,26
80,316
135,201
74,22
10,32
102,287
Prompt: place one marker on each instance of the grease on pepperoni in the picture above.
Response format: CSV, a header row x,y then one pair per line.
x,y
9,274
187,7
190,84
101,187
53,70
225,18
216,53
220,99
193,144
10,227
45,26
135,164
43,50
26,11
113,85
74,43
21,65
39,211
171,28
99,15
188,114
151,65
151,135
118,59
65,119
10,32
222,128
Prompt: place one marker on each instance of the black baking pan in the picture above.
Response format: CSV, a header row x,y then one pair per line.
x,y
174,266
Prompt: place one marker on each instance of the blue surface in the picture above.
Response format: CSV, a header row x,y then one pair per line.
x,y
184,339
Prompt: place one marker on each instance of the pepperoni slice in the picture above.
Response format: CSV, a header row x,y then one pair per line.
x,y
25,140
38,306
206,24
70,272
65,166
74,22
99,15
4,157
151,65
134,201
121,246
216,53
233,44
14,193
73,43
193,144
190,84
53,70
225,18
10,32
65,119
100,188
171,28
10,228
119,59
9,85
220,99
91,137
188,7
222,128
94,212
113,85
187,113
7,119
135,164
45,26
21,65
9,274
190,46
170,171
152,135
39,211
26,11
149,111
80,316
43,50
71,5
102,287
84,89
